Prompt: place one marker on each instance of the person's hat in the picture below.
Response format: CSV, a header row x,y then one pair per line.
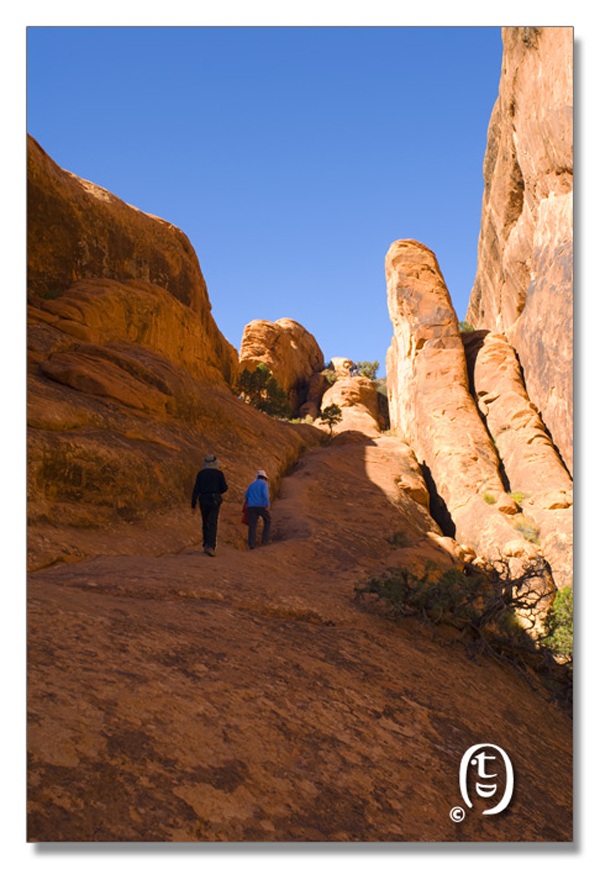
x,y
210,462
260,474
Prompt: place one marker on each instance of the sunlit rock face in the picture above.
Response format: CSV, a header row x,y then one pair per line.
x,y
431,406
524,282
358,400
288,350
534,472
128,380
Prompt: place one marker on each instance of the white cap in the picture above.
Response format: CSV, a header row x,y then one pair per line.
x,y
261,474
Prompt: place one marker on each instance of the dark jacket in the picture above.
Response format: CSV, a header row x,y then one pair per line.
x,y
210,481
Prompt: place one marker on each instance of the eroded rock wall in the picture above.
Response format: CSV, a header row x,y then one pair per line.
x,y
534,472
431,406
128,381
524,282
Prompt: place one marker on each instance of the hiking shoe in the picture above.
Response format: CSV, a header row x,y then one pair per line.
x,y
210,552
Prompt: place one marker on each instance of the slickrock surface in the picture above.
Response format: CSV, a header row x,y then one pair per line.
x,y
431,406
524,281
248,698
128,379
289,351
533,468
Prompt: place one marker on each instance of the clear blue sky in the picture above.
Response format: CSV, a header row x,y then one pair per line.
x,y
291,157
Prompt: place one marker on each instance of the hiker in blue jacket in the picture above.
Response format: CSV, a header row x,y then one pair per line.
x,y
257,504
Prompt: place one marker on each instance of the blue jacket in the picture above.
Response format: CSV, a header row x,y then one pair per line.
x,y
257,494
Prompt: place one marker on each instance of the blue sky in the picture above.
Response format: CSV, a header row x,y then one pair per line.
x,y
292,157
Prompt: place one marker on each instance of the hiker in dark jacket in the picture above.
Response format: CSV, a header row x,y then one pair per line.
x,y
257,501
208,491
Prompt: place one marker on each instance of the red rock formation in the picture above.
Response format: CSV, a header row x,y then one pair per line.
x,y
288,350
357,398
317,385
128,380
431,406
535,474
524,282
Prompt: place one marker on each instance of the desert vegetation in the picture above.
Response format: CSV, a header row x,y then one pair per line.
x,y
260,389
517,617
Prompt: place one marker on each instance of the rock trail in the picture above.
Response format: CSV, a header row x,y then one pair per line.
x,y
247,698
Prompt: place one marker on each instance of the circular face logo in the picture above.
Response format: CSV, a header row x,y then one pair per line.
x,y
481,759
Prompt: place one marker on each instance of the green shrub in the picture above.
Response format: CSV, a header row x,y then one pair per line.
x,y
260,389
330,375
489,499
465,327
559,625
486,600
452,597
518,497
490,606
368,369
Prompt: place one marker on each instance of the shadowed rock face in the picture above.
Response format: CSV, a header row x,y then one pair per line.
x,y
430,403
288,350
128,381
524,282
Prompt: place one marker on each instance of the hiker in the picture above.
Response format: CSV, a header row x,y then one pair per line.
x,y
354,371
208,491
257,504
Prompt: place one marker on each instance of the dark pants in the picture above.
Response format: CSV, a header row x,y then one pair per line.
x,y
210,518
253,514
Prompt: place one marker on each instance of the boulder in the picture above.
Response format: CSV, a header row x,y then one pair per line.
x,y
357,398
288,350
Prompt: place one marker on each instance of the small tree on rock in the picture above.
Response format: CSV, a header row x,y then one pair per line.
x,y
331,415
368,369
260,389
